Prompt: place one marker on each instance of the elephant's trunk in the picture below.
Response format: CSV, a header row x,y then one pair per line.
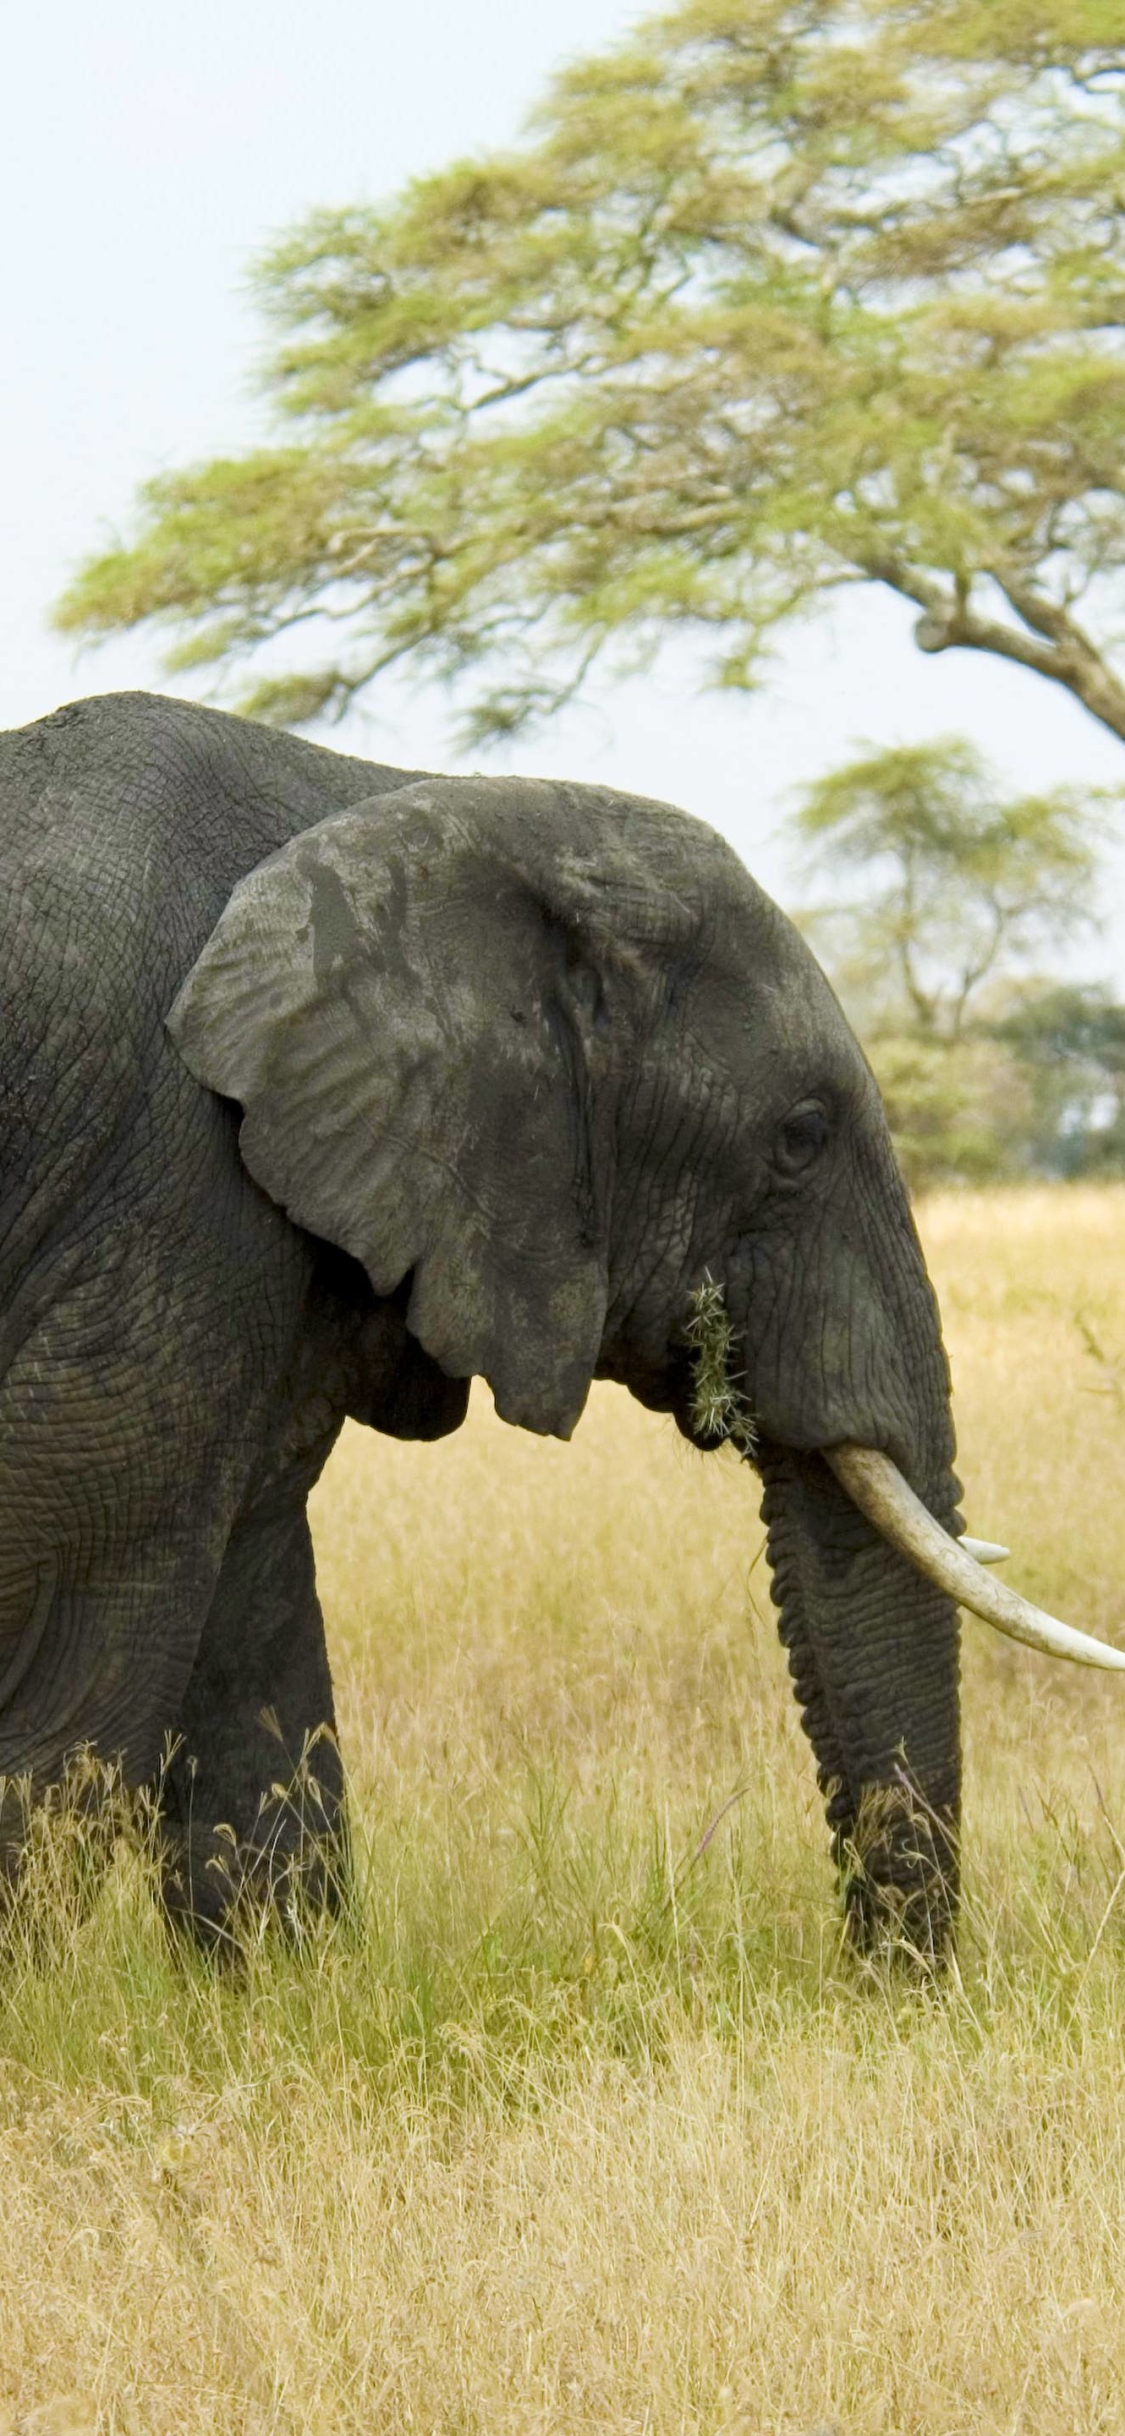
x,y
873,1651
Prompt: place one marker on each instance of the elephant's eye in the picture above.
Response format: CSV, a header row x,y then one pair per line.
x,y
801,1139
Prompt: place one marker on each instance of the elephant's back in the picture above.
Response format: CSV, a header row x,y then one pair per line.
x,y
125,822
149,797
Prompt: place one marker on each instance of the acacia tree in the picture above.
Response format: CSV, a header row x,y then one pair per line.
x,y
780,296
959,886
1069,1039
960,894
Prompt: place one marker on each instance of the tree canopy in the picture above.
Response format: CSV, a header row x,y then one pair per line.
x,y
1068,1039
960,886
778,297
942,948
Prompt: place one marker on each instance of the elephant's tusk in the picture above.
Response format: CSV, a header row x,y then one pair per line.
x,y
877,1487
985,1551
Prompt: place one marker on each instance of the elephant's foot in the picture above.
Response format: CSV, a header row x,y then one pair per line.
x,y
223,1880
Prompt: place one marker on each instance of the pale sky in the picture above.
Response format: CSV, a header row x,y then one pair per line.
x,y
147,156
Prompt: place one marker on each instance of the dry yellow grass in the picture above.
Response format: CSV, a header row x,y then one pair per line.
x,y
593,2129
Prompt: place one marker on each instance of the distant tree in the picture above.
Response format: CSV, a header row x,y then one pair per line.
x,y
957,885
960,1113
1069,1039
784,296
958,893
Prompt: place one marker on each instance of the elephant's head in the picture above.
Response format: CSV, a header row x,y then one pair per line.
x,y
549,1054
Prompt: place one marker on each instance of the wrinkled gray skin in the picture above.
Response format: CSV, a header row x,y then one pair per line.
x,y
467,1076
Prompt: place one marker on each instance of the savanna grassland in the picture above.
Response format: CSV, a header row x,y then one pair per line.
x,y
588,2125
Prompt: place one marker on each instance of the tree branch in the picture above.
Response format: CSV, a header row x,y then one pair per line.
x,y
1063,653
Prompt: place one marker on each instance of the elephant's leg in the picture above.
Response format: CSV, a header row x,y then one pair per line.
x,y
253,1799
91,1683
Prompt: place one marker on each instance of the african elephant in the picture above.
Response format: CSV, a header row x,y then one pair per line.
x,y
325,1087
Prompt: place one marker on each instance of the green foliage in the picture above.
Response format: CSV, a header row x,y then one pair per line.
x,y
958,884
986,1070
959,1113
1069,1039
781,295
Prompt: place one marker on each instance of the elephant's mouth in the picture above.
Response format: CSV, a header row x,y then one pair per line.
x,y
877,1487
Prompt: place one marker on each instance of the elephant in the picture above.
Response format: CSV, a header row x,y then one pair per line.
x,y
326,1087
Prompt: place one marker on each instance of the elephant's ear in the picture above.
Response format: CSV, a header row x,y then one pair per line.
x,y
414,1030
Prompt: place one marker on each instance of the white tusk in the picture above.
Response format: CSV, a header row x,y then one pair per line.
x,y
986,1551
877,1487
